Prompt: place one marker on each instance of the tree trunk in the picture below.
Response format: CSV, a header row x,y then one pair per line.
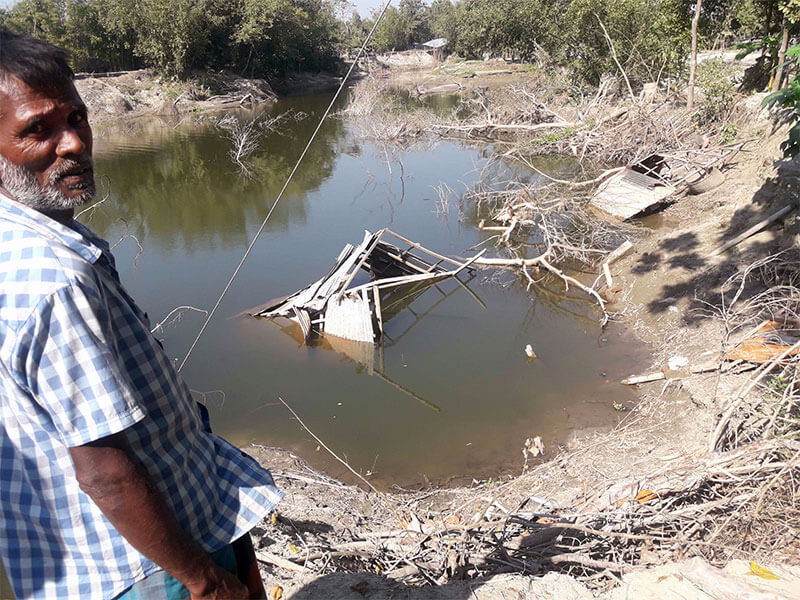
x,y
693,60
776,81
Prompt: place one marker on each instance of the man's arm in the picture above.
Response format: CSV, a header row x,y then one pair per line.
x,y
132,503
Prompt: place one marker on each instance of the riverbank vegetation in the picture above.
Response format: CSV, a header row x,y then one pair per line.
x,y
649,40
706,464
174,37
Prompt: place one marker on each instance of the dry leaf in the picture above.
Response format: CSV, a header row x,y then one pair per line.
x,y
414,525
646,496
276,593
453,520
762,572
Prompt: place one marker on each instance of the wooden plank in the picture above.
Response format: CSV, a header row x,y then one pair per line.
x,y
621,251
389,282
378,314
754,229
421,247
406,279
643,378
607,274
361,262
402,261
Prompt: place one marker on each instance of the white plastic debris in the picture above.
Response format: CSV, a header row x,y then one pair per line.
x,y
677,362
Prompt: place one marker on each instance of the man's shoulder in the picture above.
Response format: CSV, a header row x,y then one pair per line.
x,y
33,267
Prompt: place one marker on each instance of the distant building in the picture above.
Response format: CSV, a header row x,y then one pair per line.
x,y
435,48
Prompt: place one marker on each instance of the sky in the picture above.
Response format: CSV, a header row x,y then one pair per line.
x,y
365,7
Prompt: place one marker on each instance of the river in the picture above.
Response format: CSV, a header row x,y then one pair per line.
x,y
455,396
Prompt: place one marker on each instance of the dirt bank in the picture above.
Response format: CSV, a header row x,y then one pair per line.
x,y
658,508
138,93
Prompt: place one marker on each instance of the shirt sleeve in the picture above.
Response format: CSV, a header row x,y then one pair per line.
x,y
70,364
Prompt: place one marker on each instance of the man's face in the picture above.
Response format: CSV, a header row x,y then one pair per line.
x,y
45,146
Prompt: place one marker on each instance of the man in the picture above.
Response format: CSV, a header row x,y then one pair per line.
x,y
111,482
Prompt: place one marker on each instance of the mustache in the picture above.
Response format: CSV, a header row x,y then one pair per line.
x,y
70,166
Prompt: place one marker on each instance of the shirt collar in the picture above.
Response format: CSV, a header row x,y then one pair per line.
x,y
80,239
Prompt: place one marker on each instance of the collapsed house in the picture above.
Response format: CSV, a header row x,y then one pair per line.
x,y
334,306
645,186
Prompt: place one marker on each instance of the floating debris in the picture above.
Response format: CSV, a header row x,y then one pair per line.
x,y
331,307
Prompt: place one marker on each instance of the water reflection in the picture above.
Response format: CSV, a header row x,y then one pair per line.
x,y
180,186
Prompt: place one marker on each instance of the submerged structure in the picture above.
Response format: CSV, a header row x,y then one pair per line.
x,y
336,306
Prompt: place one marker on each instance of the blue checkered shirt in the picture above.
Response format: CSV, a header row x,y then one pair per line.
x,y
78,363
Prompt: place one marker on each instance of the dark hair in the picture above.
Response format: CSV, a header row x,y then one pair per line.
x,y
37,63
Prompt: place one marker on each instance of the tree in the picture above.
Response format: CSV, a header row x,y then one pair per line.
x,y
39,18
390,33
443,21
414,16
651,38
515,28
286,34
693,59
168,34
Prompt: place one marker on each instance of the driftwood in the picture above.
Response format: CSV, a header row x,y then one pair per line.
x,y
636,379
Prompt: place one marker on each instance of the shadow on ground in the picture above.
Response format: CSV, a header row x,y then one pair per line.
x,y
368,586
689,270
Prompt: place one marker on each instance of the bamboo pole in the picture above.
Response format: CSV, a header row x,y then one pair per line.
x,y
693,59
754,229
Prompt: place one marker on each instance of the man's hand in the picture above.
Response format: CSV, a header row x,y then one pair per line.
x,y
220,585
129,499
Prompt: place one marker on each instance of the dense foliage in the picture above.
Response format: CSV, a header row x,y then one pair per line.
x,y
651,38
176,36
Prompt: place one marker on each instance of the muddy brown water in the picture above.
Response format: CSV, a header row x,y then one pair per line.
x,y
454,396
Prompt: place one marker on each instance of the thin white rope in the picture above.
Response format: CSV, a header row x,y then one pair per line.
x,y
283,189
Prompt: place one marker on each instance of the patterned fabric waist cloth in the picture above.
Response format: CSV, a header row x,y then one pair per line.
x,y
237,557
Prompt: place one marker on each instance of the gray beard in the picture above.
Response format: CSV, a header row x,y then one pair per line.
x,y
25,188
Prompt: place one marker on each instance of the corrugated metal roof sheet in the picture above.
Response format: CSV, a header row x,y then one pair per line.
x,y
437,43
